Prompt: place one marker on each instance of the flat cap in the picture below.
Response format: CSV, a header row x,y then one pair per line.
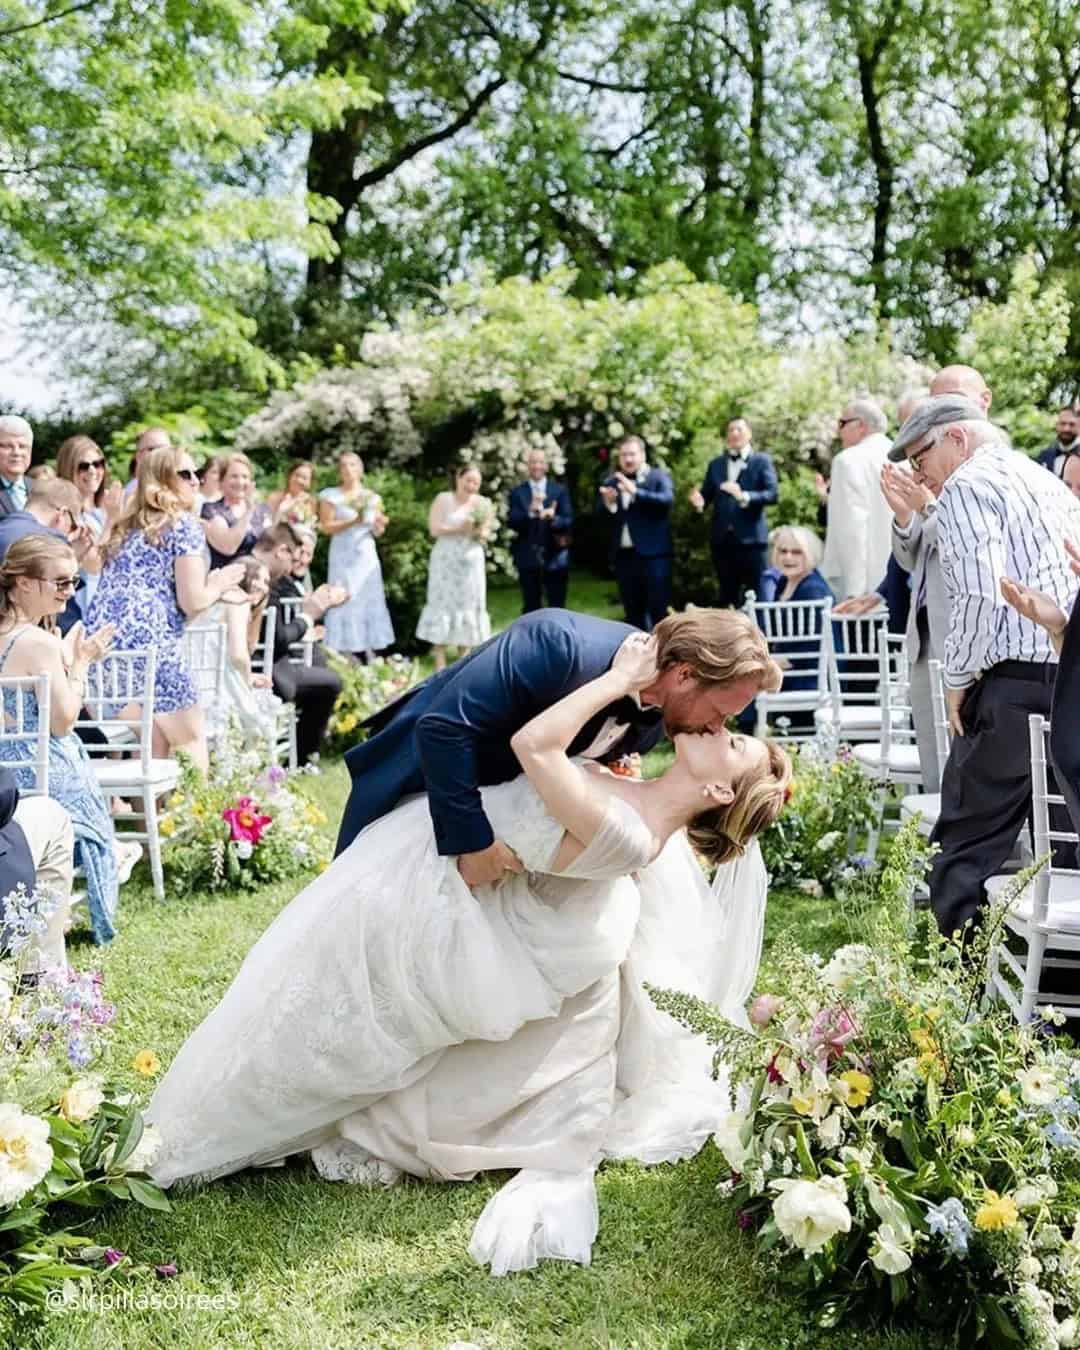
x,y
931,413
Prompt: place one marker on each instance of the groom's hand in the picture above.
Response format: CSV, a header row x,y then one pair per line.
x,y
489,865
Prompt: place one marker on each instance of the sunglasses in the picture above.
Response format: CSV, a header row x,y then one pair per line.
x,y
188,475
61,585
845,420
87,464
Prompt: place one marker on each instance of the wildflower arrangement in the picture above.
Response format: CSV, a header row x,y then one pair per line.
x,y
66,1136
900,1148
808,847
241,825
364,690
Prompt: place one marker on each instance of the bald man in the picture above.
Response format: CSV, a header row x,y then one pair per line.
x,y
965,381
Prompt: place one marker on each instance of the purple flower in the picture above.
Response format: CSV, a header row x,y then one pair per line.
x,y
744,1219
112,1256
167,1270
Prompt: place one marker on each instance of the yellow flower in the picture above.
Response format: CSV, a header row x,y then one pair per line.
x,y
998,1212
804,1104
198,811
930,1065
167,826
176,799
837,768
923,1040
314,815
857,1087
146,1063
1004,1097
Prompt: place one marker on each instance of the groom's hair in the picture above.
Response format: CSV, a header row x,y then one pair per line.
x,y
719,645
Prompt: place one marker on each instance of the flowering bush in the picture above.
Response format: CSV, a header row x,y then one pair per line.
x,y
364,690
809,845
242,825
899,1147
64,1139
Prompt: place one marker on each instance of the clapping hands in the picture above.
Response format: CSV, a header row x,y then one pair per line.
x,y
904,495
86,649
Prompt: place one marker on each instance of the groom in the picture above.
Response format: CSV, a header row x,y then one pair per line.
x,y
451,734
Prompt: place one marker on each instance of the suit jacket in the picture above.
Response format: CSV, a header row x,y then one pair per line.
x,y
916,549
7,505
757,478
16,862
895,590
857,542
534,545
451,734
648,517
1055,456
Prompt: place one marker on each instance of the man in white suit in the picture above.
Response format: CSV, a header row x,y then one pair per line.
x,y
857,543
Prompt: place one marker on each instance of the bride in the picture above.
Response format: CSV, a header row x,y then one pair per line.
x,y
391,1020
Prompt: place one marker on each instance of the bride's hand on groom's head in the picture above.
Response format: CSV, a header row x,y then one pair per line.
x,y
635,661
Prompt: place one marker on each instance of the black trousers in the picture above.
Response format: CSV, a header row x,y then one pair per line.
x,y
738,569
986,787
314,690
536,582
644,587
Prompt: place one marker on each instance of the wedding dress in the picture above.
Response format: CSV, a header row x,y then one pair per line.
x,y
391,1020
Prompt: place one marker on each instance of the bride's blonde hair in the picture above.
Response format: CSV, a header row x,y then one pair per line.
x,y
723,832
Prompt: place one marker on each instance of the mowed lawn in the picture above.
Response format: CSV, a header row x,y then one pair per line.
x,y
281,1260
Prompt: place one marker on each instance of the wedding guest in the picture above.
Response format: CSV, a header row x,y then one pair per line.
x,y
792,574
52,507
738,485
295,502
353,517
149,439
638,500
81,462
153,580
37,575
245,692
1065,445
40,473
998,516
301,572
210,473
857,540
37,849
540,516
964,381
455,613
234,522
313,689
16,447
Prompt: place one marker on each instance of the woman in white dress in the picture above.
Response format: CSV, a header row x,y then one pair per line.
x,y
455,614
245,694
392,1020
353,518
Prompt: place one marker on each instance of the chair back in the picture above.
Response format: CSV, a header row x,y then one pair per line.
x,y
123,680
205,650
262,656
942,730
300,653
854,673
30,741
1044,834
797,630
894,676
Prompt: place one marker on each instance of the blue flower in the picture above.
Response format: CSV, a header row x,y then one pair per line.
x,y
1059,1136
949,1221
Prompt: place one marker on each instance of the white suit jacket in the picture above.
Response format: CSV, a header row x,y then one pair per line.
x,y
859,537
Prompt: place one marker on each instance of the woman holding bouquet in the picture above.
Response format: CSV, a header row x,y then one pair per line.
x,y
352,516
461,522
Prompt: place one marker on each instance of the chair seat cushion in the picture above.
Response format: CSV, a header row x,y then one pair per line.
x,y
860,716
799,700
115,774
902,758
925,805
1063,910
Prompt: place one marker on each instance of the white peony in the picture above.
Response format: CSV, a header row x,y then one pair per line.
x,y
828,841
1038,1086
888,1252
80,1100
25,1152
1067,1332
846,963
729,1142
810,1213
831,1130
142,1156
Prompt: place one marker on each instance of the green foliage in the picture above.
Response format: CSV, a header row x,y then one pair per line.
x,y
364,691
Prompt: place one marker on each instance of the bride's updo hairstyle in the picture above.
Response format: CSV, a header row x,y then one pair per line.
x,y
719,645
723,832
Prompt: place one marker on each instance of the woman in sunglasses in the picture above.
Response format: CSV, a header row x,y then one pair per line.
x,y
80,461
37,577
155,578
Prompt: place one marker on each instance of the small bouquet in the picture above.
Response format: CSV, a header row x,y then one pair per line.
x,y
482,519
364,691
900,1150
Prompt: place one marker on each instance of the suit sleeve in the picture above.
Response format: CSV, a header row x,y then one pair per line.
x,y
517,517
710,487
659,495
907,542
602,505
501,688
564,511
767,494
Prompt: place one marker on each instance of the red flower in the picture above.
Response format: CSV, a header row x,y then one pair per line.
x,y
245,821
602,455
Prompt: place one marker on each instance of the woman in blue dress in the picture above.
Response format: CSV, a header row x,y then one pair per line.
x,y
154,579
37,577
793,575
352,516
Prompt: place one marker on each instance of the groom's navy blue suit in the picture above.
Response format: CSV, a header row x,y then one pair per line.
x,y
451,734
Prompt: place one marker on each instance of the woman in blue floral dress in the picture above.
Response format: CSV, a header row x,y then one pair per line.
x,y
37,577
154,579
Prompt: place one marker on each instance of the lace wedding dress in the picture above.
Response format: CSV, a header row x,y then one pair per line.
x,y
391,1020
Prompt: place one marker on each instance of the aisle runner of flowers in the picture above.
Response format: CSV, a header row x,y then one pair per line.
x,y
364,691
69,1141
901,1148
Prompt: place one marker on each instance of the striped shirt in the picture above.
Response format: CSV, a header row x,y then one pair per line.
x,y
1001,515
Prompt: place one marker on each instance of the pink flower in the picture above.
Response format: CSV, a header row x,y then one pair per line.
x,y
764,1008
602,455
772,1073
830,1031
245,821
112,1257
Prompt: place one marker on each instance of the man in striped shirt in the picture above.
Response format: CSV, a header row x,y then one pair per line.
x,y
999,515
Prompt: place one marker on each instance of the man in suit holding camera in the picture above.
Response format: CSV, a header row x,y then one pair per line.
x,y
638,500
541,517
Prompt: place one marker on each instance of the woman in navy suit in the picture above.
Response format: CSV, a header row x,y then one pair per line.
x,y
792,574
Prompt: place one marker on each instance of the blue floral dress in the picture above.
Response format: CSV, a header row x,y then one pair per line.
x,y
73,785
137,593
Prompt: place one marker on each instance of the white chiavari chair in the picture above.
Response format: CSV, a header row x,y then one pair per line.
x,y
26,739
852,712
797,634
893,760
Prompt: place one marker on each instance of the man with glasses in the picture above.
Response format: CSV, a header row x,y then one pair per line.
x,y
998,515
16,445
151,438
857,540
52,507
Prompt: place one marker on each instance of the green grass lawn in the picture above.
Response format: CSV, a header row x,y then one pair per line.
x,y
281,1259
